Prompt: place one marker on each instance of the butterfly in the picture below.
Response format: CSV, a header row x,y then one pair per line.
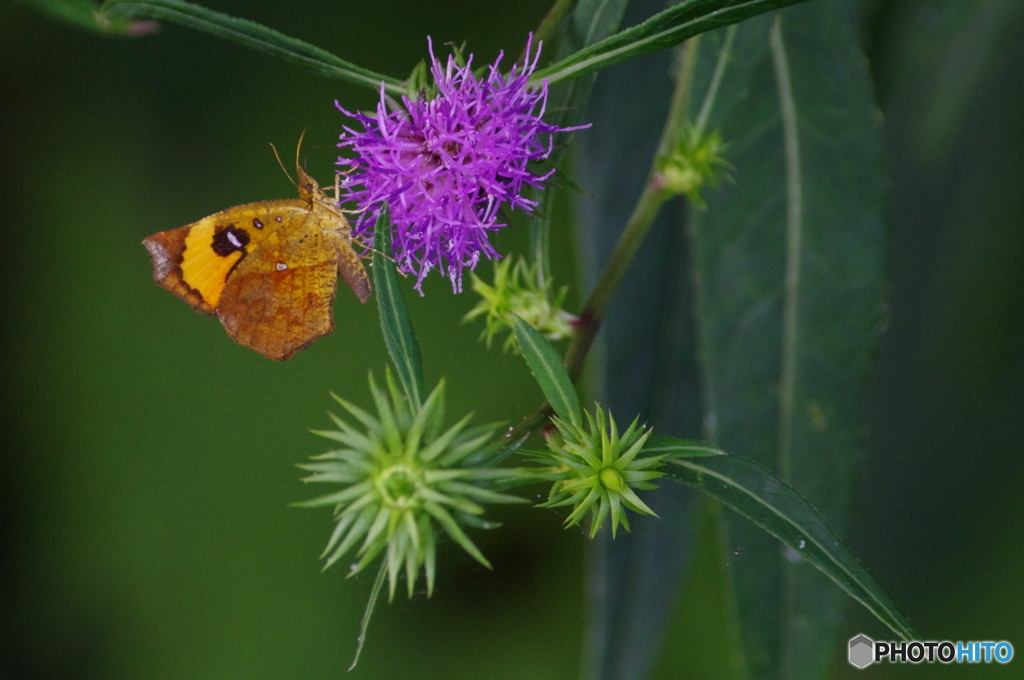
x,y
268,270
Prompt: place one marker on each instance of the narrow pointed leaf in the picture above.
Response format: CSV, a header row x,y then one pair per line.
x,y
580,511
356,441
631,453
422,420
354,534
333,477
253,35
362,416
429,553
342,496
440,444
394,319
461,504
776,507
339,529
547,368
482,495
663,30
375,531
393,559
86,14
660,444
371,604
633,502
456,533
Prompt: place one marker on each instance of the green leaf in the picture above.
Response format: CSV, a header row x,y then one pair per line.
x,y
643,364
945,66
394,319
663,445
254,35
87,14
547,368
663,30
590,22
790,263
779,509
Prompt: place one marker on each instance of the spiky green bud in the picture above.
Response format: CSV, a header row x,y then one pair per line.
x,y
597,470
694,163
404,477
516,290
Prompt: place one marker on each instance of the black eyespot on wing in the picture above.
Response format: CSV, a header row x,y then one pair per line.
x,y
229,239
256,222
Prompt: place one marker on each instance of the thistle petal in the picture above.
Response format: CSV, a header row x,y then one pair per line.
x,y
448,165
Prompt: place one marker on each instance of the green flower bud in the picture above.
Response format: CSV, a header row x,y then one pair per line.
x,y
611,478
516,290
598,471
405,481
694,163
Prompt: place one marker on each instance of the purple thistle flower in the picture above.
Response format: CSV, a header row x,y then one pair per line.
x,y
446,165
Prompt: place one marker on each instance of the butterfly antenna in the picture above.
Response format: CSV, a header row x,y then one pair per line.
x,y
283,169
298,147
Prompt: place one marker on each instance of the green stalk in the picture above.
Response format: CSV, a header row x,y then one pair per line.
x,y
640,221
637,227
589,321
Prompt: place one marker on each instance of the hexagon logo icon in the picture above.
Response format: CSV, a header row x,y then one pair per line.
x,y
862,651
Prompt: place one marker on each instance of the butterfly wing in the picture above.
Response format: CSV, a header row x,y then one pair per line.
x,y
195,261
279,298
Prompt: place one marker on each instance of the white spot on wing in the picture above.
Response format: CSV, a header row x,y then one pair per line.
x,y
234,239
281,266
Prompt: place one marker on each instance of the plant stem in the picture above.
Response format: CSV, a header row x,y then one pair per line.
x,y
709,99
646,209
640,220
589,321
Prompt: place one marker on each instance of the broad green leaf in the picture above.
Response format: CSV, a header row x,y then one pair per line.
x,y
546,366
946,65
591,21
86,14
394,319
254,35
789,263
780,510
661,31
643,361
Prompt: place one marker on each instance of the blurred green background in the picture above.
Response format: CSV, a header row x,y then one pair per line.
x,y
148,461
